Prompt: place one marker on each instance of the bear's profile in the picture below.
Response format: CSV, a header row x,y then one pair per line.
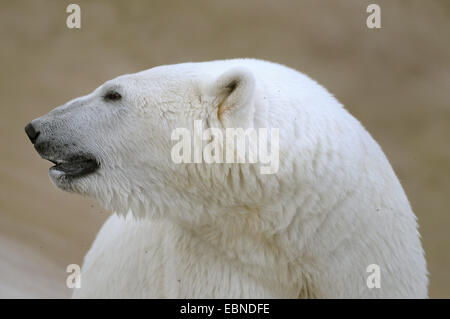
x,y
312,229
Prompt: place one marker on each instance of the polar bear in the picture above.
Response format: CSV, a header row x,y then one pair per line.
x,y
332,222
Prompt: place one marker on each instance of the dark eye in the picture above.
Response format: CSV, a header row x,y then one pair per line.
x,y
112,96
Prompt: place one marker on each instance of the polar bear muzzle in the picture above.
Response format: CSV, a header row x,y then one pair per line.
x,y
68,163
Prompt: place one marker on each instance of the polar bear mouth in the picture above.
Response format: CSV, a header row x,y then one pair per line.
x,y
75,166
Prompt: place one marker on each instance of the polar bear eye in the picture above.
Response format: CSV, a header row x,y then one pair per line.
x,y
112,96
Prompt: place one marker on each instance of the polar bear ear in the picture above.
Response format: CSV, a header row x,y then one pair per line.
x,y
233,94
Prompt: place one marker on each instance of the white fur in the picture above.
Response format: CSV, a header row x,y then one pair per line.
x,y
224,230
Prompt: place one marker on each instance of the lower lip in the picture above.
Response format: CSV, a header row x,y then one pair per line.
x,y
74,169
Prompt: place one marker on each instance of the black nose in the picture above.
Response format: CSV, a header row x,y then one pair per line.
x,y
32,132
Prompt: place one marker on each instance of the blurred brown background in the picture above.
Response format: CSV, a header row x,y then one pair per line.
x,y
395,80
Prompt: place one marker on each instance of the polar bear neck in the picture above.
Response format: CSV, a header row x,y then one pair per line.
x,y
248,233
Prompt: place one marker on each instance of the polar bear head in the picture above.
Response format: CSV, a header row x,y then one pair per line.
x,y
115,144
